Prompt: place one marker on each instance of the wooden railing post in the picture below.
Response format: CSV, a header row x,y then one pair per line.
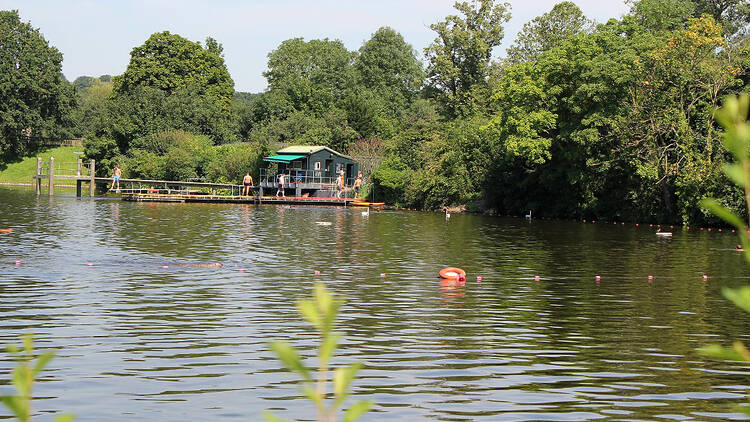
x,y
51,175
38,178
92,180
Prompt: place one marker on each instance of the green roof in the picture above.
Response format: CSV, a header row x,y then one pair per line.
x,y
300,149
309,149
283,158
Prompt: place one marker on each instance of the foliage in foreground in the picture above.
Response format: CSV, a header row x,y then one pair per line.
x,y
321,312
23,377
733,117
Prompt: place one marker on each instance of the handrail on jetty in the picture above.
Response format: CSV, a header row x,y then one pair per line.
x,y
86,173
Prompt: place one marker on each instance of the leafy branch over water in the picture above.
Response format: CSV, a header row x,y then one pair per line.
x,y
733,117
321,312
23,377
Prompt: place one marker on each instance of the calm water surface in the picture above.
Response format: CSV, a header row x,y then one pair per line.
x,y
137,341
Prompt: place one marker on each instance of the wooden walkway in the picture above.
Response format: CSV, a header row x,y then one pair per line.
x,y
85,173
142,195
139,190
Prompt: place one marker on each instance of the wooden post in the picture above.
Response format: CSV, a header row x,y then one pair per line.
x,y
38,178
78,168
78,187
51,176
92,180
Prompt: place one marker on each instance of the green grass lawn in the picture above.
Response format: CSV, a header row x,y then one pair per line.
x,y
23,171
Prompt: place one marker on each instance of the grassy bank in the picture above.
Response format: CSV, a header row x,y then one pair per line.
x,y
22,171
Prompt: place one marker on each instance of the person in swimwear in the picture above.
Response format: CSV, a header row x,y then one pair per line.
x,y
340,184
247,183
357,185
282,185
116,177
214,265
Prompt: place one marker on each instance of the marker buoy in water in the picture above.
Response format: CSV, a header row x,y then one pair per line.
x,y
18,262
316,272
6,230
382,275
453,272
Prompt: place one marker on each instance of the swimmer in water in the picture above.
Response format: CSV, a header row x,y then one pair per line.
x,y
738,248
214,265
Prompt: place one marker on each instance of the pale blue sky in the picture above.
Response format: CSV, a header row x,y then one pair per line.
x,y
96,37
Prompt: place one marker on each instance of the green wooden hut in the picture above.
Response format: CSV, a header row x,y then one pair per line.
x,y
309,169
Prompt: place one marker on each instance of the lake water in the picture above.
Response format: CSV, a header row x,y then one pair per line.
x,y
137,341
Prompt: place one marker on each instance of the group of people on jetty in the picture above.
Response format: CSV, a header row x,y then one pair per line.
x,y
247,183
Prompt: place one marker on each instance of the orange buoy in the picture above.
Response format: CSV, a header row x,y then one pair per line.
x,y
453,272
6,230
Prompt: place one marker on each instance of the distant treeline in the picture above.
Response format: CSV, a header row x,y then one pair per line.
x,y
578,120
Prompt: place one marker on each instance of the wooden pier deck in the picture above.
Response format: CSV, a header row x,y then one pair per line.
x,y
138,190
142,195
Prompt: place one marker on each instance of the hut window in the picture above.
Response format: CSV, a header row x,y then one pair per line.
x,y
317,165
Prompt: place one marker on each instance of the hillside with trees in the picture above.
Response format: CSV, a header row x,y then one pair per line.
x,y
577,119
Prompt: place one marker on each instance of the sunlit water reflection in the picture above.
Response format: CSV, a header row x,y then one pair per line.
x,y
140,341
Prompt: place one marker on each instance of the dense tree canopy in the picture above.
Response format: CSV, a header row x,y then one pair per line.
x,y
170,63
459,58
548,31
309,75
389,66
608,121
35,99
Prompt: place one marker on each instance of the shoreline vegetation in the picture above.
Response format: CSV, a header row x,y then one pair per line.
x,y
576,119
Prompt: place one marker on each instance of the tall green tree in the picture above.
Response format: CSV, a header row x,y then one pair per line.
x,y
388,65
662,15
669,130
308,75
552,123
459,58
547,31
92,111
35,99
171,83
170,62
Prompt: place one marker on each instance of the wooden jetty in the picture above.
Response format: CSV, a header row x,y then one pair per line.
x,y
152,195
140,190
86,173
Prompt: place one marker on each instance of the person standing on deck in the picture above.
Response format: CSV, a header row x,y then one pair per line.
x,y
282,183
247,183
340,184
357,185
116,177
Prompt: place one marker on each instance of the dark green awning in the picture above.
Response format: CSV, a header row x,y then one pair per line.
x,y
283,158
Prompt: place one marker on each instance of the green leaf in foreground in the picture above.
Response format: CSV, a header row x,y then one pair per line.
x,y
357,410
740,297
270,417
289,356
23,377
321,312
722,212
